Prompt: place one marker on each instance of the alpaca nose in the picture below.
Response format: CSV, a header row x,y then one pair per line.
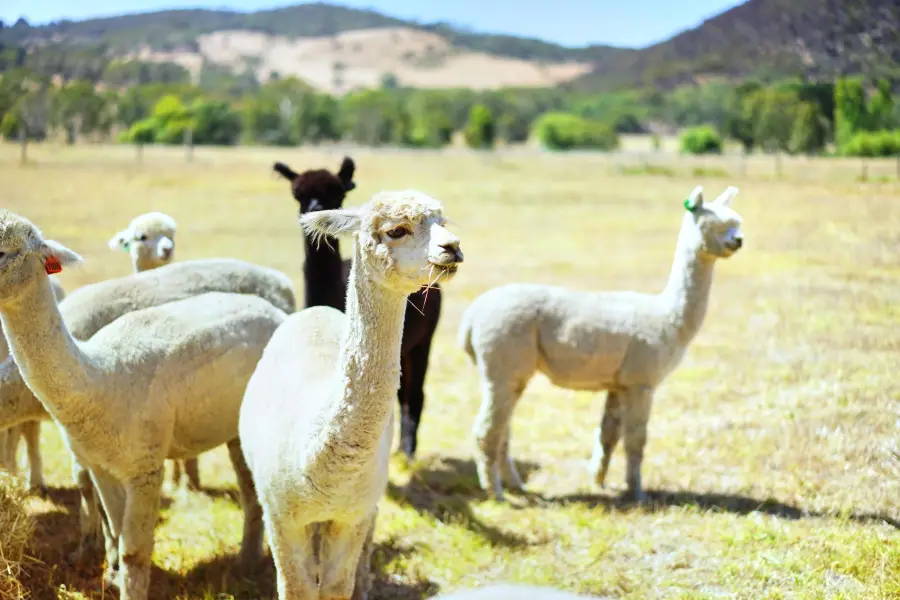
x,y
452,248
738,242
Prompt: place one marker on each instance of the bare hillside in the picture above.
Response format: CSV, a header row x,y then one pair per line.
x,y
361,58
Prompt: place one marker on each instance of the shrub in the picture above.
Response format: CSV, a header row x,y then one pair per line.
x,y
701,140
480,130
872,144
565,131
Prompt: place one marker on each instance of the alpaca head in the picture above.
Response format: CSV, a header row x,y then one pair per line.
x,y
26,258
149,239
401,236
717,226
320,189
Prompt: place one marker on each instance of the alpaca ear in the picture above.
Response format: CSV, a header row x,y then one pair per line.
x,y
56,256
345,174
727,196
334,223
694,202
119,241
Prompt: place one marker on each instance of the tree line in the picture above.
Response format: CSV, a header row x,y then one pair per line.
x,y
144,103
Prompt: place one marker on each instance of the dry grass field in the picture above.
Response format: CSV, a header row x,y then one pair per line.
x,y
771,464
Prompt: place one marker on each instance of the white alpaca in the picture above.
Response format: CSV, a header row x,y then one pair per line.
x,y
623,342
90,308
163,382
149,239
30,431
317,419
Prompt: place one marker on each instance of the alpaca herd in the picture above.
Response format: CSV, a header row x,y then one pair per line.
x,y
179,358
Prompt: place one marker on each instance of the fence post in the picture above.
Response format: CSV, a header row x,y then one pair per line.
x,y
864,174
139,152
23,143
189,144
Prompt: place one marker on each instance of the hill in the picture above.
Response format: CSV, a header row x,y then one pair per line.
x,y
815,38
336,48
333,47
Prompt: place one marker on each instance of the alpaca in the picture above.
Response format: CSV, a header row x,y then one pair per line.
x,y
150,240
30,431
317,420
325,284
90,308
625,343
162,382
512,592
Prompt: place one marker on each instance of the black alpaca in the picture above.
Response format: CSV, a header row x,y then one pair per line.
x,y
325,283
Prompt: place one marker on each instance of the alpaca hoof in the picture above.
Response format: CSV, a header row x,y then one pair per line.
x,y
40,490
249,558
111,578
638,496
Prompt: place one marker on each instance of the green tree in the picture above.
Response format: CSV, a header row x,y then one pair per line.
x,y
701,140
775,120
849,109
809,134
480,131
881,107
215,123
565,131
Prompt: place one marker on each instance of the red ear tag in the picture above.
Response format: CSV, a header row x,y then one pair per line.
x,y
52,266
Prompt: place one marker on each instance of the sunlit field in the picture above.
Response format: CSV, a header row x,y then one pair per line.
x,y
772,462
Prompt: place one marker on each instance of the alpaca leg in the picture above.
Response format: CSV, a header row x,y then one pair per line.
x,y
403,392
508,468
294,558
364,567
9,443
175,478
341,553
192,470
32,433
136,540
415,396
113,499
606,437
492,431
90,517
636,415
252,541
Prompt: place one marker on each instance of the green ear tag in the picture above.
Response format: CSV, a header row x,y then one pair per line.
x,y
127,246
687,205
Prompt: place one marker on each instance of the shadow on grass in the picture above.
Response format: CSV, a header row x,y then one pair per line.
x,y
56,535
444,487
730,503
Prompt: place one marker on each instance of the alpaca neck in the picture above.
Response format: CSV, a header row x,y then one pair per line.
x,y
17,403
143,263
323,281
687,293
368,371
50,361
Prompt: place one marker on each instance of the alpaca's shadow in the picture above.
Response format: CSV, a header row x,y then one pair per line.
x,y
225,575
444,487
56,535
729,503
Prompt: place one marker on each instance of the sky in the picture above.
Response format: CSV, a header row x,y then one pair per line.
x,y
631,23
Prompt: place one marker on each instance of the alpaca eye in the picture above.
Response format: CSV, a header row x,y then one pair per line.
x,y
396,233
141,238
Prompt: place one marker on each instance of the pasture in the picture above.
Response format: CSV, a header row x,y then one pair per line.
x,y
772,462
